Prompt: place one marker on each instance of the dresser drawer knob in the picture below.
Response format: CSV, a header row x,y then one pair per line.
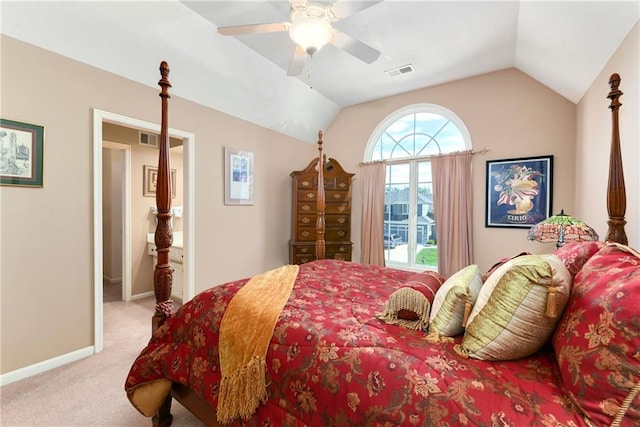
x,y
337,196
305,219
310,195
306,208
342,220
305,183
304,250
341,233
342,208
305,234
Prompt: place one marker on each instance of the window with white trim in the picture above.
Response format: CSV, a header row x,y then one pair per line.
x,y
407,139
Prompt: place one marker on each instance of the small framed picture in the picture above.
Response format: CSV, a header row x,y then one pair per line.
x,y
238,177
519,191
150,181
21,154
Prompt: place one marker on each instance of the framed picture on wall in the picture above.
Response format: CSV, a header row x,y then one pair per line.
x,y
21,154
519,191
238,177
150,181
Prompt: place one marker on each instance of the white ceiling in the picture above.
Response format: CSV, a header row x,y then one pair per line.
x,y
562,44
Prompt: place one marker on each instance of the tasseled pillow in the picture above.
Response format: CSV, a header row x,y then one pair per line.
x,y
410,305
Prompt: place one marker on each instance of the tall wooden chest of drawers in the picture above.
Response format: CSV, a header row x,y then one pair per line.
x,y
337,236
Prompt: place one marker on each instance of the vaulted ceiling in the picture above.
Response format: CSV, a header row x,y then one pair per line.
x,y
562,44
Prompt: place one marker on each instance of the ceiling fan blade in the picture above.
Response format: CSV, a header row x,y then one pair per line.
x,y
343,8
252,29
297,62
360,50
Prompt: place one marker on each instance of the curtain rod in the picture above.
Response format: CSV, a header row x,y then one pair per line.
x,y
482,151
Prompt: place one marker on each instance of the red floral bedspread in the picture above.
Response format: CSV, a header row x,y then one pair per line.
x,y
331,362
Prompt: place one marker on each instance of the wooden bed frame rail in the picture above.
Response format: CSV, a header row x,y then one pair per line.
x,y
163,274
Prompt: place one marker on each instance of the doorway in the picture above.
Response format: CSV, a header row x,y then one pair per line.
x,y
188,139
116,215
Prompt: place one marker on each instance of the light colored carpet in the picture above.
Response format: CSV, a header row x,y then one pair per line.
x,y
90,392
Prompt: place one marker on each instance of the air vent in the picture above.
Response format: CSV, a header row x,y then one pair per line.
x,y
400,70
148,139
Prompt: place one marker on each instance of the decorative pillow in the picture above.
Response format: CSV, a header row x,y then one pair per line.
x,y
501,261
597,342
409,306
428,281
517,308
454,298
575,254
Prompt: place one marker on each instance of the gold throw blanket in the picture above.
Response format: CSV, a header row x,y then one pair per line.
x,y
245,331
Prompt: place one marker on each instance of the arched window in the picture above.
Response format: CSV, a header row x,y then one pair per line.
x,y
407,139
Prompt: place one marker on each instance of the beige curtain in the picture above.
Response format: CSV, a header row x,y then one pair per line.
x,y
372,244
452,200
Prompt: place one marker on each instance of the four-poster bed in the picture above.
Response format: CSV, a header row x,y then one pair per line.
x,y
331,361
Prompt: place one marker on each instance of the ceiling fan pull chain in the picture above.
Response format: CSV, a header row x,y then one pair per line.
x,y
308,74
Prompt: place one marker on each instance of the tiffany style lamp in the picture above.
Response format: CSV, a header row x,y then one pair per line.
x,y
562,228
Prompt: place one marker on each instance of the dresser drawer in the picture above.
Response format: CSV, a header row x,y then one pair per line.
x,y
335,183
306,234
329,195
337,220
308,220
336,234
307,195
311,256
309,207
337,208
307,183
338,250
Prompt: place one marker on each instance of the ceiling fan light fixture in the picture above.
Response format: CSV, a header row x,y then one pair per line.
x,y
311,33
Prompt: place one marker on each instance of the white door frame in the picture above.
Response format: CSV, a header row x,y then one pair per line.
x,y
126,216
189,140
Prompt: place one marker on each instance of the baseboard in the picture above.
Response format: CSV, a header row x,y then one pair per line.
x,y
111,280
142,295
47,365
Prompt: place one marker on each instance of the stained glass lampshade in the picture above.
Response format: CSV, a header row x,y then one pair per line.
x,y
561,229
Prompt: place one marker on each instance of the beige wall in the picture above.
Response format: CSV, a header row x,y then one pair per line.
x,y
594,136
507,113
47,296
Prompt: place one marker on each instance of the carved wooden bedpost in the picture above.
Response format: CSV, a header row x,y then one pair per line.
x,y
163,273
320,202
616,193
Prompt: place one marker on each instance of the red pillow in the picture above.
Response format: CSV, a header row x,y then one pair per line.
x,y
575,254
495,266
597,342
427,283
409,305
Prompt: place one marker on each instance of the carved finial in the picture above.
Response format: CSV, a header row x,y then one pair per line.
x,y
164,81
614,81
615,94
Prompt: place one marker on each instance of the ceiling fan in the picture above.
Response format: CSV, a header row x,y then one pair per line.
x,y
310,28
